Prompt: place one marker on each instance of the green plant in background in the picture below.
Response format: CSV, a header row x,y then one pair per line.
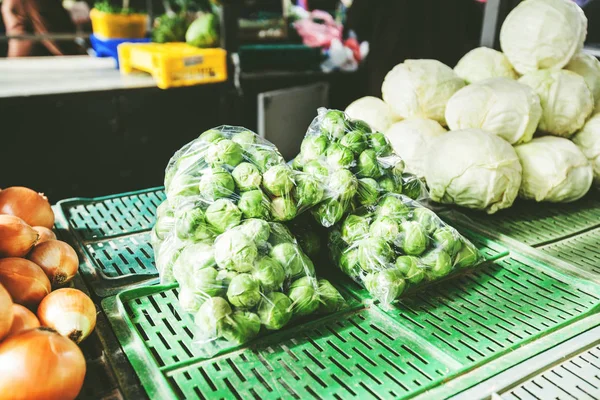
x,y
106,7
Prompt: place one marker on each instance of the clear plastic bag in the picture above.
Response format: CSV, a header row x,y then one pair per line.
x,y
397,244
355,165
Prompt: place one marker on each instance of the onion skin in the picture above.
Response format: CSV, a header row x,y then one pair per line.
x,y
16,237
70,312
24,320
40,364
57,259
6,312
31,207
45,234
25,281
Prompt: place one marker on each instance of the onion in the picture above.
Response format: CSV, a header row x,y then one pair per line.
x,y
40,364
70,312
16,237
57,259
26,282
6,312
31,207
45,234
24,320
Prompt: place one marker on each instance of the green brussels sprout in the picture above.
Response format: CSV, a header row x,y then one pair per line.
x,y
355,141
193,258
279,180
212,136
182,185
438,264
222,215
413,240
216,183
427,219
328,212
354,228
310,242
390,184
239,327
316,168
397,169
361,126
412,186
205,282
468,256
313,147
225,152
269,273
298,162
368,166
385,227
349,263
247,177
283,208
343,184
304,295
374,254
292,259
234,250
191,225
392,206
225,276
368,191
448,239
275,310
210,315
164,209
386,286
256,229
330,300
309,191
163,226
167,253
255,204
245,139
280,234
243,291
333,124
189,301
339,156
409,267
264,158
380,144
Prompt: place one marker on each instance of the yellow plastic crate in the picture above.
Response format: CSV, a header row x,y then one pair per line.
x,y
118,26
174,64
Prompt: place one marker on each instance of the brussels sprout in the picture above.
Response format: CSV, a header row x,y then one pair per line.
x,y
264,158
275,310
279,180
413,240
225,276
245,139
210,314
298,162
243,291
339,156
468,256
374,254
223,214
166,256
234,250
212,136
316,168
269,273
329,212
247,177
385,228
280,234
283,208
182,185
361,126
304,295
448,239
239,327
438,263
193,258
313,147
380,144
205,282
427,219
368,166
309,191
368,191
412,186
354,228
292,259
409,267
256,229
163,226
330,300
349,263
189,301
224,152
343,184
392,206
164,209
255,204
333,124
390,184
191,225
310,242
216,183
386,286
355,141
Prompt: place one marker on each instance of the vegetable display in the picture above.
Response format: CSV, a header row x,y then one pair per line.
x,y
396,244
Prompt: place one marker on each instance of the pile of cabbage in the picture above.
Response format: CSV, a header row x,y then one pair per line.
x,y
396,244
500,125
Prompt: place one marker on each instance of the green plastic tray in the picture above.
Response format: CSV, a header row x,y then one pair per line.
x,y
582,250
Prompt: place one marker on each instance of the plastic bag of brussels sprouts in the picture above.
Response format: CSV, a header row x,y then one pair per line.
x,y
355,163
396,244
